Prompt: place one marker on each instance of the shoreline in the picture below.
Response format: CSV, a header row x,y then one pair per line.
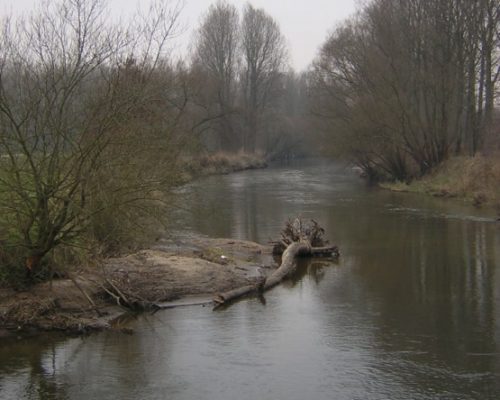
x,y
220,164
164,276
170,274
479,202
472,180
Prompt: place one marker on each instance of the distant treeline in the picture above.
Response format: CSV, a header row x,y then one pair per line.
x,y
247,91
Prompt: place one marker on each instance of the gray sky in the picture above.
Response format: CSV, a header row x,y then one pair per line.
x,y
305,23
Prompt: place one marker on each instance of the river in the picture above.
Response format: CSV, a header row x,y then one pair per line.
x,y
411,310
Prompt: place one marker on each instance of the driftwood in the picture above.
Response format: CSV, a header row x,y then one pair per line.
x,y
222,298
325,251
288,264
295,242
296,231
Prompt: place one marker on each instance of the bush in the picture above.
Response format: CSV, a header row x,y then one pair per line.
x,y
89,133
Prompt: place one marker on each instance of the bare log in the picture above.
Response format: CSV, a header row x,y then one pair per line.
x,y
297,240
325,251
222,298
288,264
287,267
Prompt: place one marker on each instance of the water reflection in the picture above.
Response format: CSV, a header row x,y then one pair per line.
x,y
313,270
411,309
36,362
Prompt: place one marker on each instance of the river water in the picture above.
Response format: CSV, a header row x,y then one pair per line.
x,y
410,311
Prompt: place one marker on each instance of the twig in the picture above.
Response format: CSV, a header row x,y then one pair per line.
x,y
96,309
119,292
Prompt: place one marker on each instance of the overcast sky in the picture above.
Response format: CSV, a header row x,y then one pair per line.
x,y
305,23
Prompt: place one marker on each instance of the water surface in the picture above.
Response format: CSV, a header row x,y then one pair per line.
x,y
410,311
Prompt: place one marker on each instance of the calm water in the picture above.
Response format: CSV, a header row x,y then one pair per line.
x,y
410,311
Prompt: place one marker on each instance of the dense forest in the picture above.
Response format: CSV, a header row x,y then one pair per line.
x,y
99,120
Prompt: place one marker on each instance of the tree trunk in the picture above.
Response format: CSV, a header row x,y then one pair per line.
x,y
287,268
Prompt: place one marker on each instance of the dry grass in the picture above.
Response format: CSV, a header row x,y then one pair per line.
x,y
222,163
137,281
475,179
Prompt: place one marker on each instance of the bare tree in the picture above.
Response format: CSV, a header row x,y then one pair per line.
x,y
63,114
264,59
406,84
216,56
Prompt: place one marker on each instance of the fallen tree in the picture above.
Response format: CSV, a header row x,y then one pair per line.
x,y
297,240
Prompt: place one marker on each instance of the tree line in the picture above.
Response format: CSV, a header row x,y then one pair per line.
x,y
403,85
250,95
97,119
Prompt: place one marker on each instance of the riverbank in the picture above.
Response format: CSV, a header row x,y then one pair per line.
x,y
475,180
220,163
92,297
95,296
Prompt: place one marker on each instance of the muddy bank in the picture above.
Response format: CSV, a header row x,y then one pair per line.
x,y
167,272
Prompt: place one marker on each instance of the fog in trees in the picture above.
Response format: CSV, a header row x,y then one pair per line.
x,y
245,81
215,58
264,58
